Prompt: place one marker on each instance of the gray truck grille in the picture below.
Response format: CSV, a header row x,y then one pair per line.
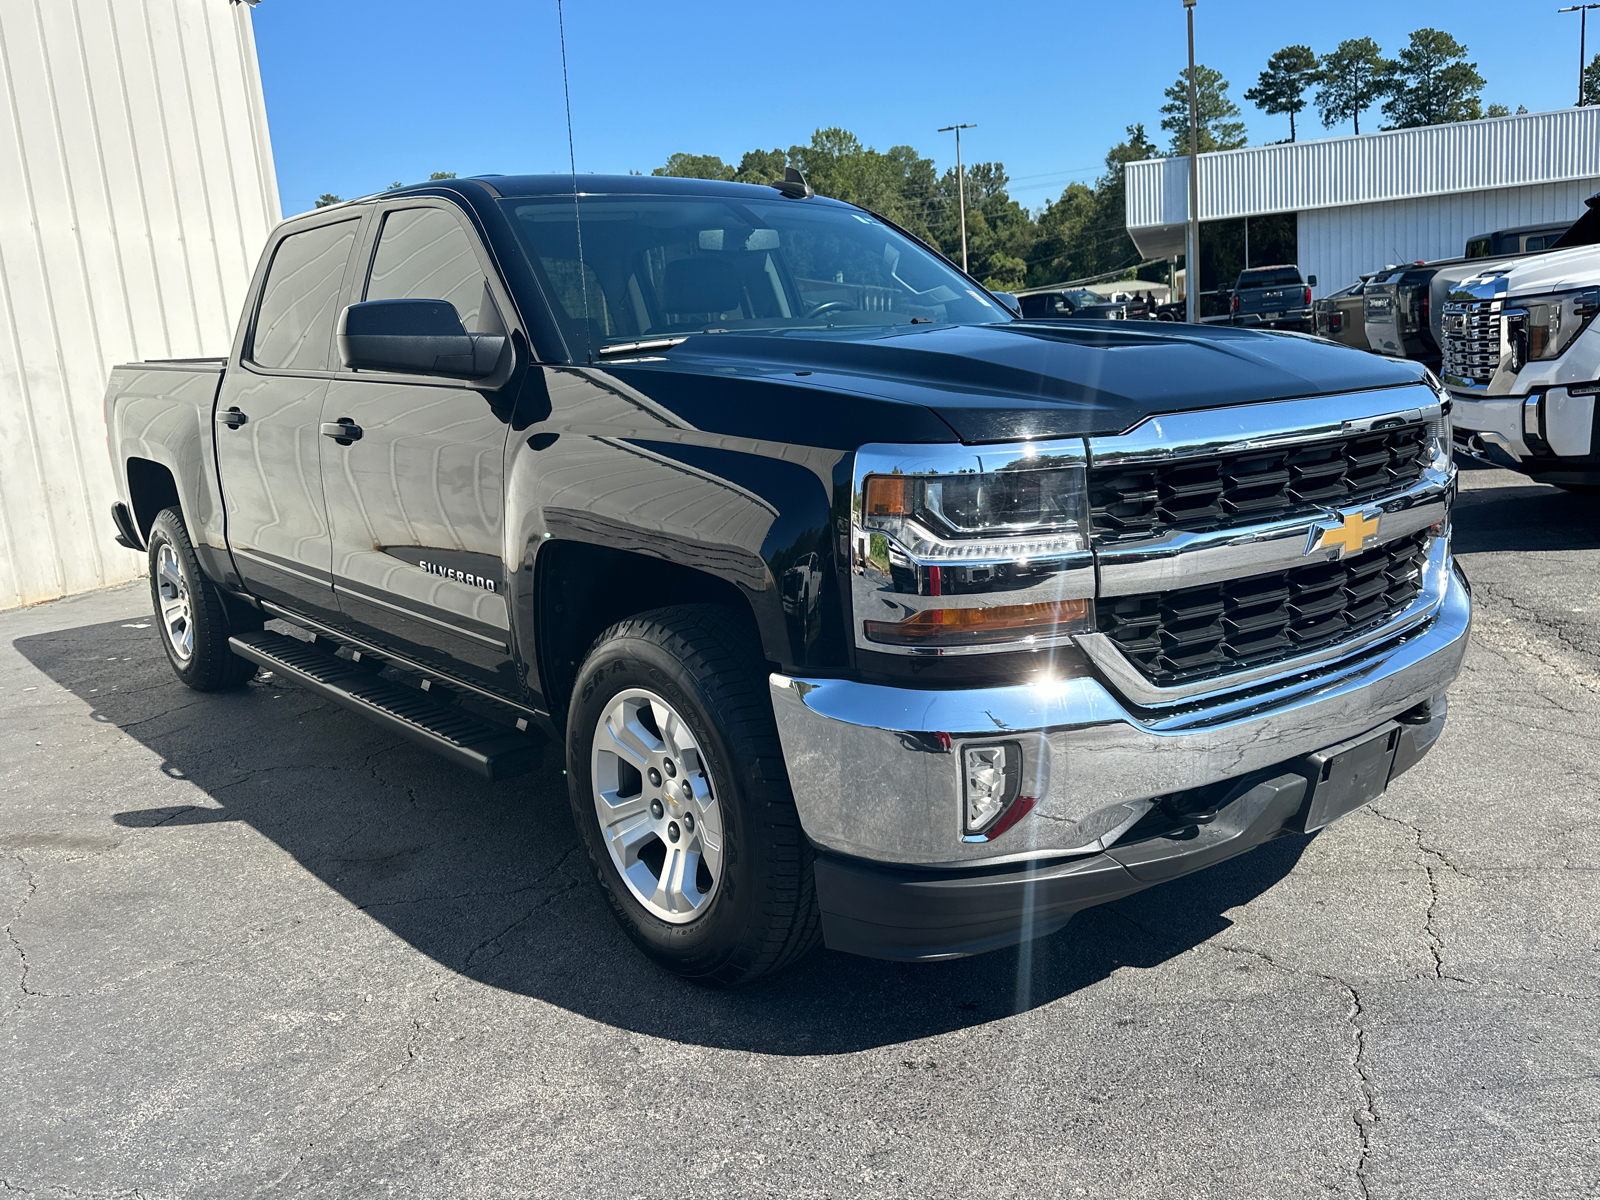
x,y
1472,339
1205,493
1179,637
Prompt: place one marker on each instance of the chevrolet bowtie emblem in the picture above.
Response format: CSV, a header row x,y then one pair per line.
x,y
1347,536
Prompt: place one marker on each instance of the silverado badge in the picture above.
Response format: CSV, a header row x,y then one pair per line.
x,y
1345,536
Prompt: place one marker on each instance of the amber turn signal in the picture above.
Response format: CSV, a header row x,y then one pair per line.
x,y
888,496
981,626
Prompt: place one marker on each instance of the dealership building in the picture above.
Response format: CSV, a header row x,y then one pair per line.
x,y
136,191
1343,207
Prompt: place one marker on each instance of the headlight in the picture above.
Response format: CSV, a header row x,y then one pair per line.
x,y
1539,328
922,511
967,559
1441,426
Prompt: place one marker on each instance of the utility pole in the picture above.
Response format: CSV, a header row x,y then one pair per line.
x,y
961,184
1583,36
1191,273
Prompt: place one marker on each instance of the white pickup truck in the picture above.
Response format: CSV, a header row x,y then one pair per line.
x,y
1522,359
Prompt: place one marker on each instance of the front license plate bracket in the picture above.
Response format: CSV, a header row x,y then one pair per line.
x,y
1344,777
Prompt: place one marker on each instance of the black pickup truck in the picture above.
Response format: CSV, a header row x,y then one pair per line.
x,y
864,612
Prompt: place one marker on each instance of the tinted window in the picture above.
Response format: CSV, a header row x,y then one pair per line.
x,y
294,325
1270,277
1049,304
425,254
668,266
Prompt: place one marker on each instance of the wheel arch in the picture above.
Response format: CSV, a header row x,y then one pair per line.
x,y
580,589
151,488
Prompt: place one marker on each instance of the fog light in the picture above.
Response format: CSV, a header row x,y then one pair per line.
x,y
992,776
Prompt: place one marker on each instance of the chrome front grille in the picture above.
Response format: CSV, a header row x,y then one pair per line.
x,y
1195,633
1194,494
1472,340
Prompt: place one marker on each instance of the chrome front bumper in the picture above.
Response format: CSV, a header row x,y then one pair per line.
x,y
1496,420
875,768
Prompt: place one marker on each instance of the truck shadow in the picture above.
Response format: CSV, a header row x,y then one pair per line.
x,y
1522,515
491,880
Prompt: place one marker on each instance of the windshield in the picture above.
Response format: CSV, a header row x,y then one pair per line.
x,y
1082,296
662,267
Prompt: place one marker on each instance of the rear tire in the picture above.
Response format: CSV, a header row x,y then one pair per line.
x,y
194,617
686,690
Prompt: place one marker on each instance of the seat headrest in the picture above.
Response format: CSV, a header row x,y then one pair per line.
x,y
700,285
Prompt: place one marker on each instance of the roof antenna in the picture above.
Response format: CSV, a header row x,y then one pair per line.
x,y
794,185
572,161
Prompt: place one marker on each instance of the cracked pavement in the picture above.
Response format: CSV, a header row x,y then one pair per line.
x,y
255,947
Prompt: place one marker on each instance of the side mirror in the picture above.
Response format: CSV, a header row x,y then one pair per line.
x,y
416,337
1311,281
1008,302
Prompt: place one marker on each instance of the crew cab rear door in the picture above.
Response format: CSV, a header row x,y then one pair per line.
x,y
267,415
416,502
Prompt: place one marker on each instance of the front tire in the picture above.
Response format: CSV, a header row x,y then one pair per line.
x,y
192,613
678,787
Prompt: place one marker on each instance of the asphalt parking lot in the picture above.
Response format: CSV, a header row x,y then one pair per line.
x,y
258,947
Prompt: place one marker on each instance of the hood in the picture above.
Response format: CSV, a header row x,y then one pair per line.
x,y
1552,271
992,383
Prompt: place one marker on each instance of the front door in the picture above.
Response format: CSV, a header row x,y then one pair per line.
x,y
267,418
416,503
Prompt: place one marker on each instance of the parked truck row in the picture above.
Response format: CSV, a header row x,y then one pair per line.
x,y
1508,326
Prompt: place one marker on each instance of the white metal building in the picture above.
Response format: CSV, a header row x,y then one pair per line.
x,y
136,191
1393,197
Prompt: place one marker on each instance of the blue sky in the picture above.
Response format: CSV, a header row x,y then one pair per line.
x,y
361,93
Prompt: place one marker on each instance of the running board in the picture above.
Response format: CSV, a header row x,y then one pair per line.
x,y
493,751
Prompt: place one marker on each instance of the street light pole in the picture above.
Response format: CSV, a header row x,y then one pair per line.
x,y
961,186
1583,36
1191,280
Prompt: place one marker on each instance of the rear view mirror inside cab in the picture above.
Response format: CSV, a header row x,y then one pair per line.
x,y
738,239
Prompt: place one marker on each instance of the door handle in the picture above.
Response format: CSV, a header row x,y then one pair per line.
x,y
233,418
344,431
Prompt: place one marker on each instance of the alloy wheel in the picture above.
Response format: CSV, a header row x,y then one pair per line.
x,y
656,805
177,616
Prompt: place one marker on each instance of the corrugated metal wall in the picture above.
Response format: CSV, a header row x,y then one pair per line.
x,y
1495,154
1339,244
136,191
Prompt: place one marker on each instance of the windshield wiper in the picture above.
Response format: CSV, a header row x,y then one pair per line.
x,y
634,347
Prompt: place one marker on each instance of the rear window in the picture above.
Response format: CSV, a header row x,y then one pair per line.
x,y
1271,277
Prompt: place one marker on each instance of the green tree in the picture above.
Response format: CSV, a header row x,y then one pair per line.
x,y
761,166
441,175
1497,110
1354,77
1591,81
1282,87
1007,246
328,198
1220,128
695,166
1084,232
1431,83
